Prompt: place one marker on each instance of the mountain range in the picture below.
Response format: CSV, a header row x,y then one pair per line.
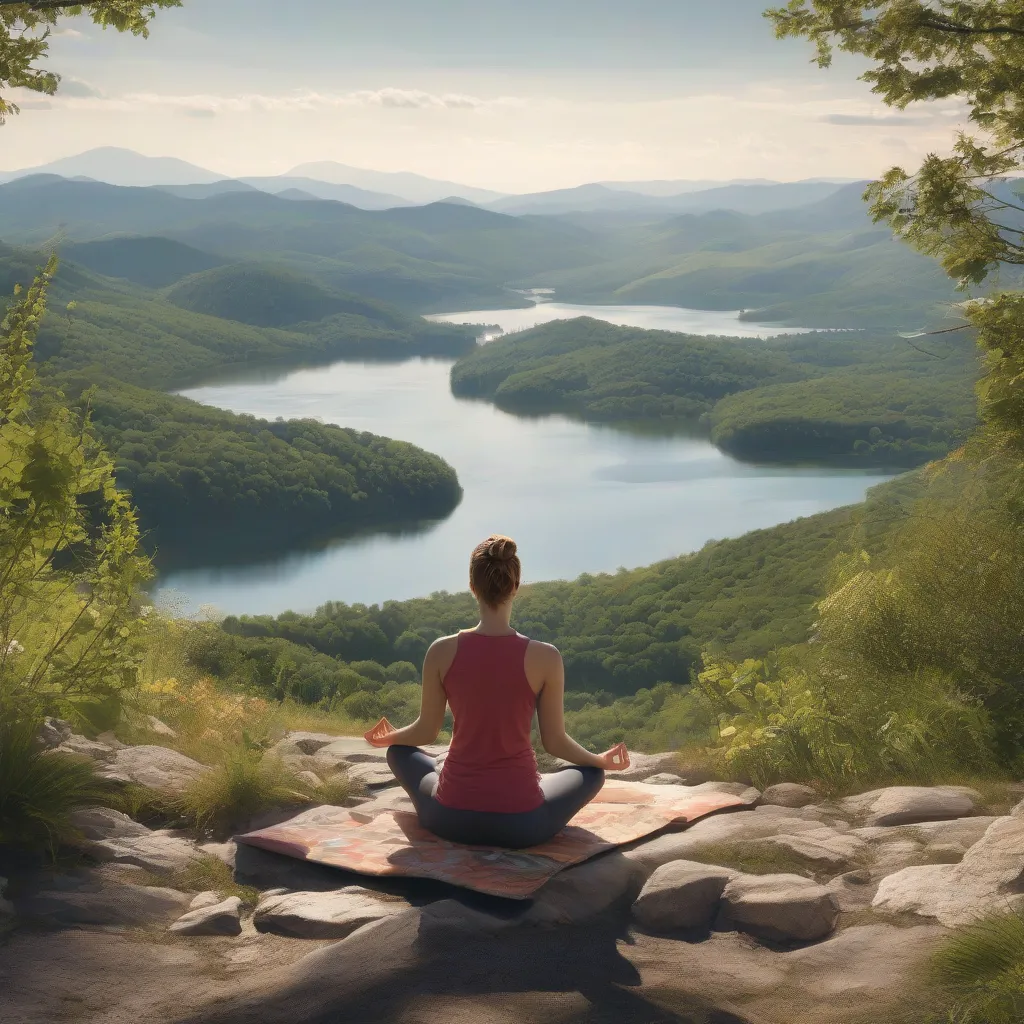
x,y
379,190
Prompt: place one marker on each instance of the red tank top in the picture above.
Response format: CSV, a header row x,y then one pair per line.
x,y
491,765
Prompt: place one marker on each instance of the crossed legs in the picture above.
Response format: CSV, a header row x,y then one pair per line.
x,y
565,793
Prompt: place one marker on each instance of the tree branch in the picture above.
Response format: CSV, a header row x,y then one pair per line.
x,y
967,30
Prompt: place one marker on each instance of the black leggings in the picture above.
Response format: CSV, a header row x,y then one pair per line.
x,y
565,793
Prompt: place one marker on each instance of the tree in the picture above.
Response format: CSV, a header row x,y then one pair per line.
x,y
960,208
25,37
70,574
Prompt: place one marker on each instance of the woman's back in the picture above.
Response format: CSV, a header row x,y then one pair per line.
x,y
491,765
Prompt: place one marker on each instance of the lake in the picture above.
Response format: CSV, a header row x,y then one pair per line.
x,y
576,497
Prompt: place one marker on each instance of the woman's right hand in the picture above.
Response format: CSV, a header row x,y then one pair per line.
x,y
616,759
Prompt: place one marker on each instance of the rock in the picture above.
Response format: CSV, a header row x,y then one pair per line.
x,y
789,794
823,847
372,774
749,794
219,919
944,853
989,879
124,904
205,899
729,828
224,852
154,767
906,805
890,857
311,779
853,891
780,907
105,823
681,894
112,836
323,915
586,891
53,732
965,831
665,779
79,745
160,728
1018,811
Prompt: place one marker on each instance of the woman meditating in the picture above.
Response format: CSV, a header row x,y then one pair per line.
x,y
488,792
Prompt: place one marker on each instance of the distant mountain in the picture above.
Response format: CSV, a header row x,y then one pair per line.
x,y
361,197
152,262
743,198
118,166
414,187
682,186
215,188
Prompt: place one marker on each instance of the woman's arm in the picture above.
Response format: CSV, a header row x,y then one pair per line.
x,y
432,708
551,714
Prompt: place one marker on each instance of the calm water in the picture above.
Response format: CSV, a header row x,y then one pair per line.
x,y
577,498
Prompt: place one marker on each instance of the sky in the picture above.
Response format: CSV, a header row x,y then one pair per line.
x,y
517,97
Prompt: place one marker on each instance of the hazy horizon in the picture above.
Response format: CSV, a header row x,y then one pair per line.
x,y
523,100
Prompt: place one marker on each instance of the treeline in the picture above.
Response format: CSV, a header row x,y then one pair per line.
x,y
847,397
618,633
199,474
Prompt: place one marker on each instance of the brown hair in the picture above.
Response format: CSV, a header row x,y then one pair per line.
x,y
495,570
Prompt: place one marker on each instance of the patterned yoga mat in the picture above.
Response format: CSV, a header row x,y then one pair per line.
x,y
391,842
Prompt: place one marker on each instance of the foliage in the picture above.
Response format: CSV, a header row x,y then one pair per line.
x,y
70,623
38,789
982,966
25,30
199,474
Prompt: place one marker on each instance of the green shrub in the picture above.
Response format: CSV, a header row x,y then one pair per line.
x,y
39,789
983,968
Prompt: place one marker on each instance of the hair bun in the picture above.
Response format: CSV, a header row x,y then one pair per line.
x,y
501,549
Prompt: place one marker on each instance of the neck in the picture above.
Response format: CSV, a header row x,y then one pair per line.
x,y
495,621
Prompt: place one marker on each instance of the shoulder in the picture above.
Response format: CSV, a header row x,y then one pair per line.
x,y
443,647
542,653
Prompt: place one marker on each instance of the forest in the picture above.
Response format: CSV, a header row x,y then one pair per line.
x,y
854,397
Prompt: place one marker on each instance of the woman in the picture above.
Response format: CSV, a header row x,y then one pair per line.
x,y
488,791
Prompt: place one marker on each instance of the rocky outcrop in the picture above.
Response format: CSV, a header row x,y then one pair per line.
x,y
157,768
323,915
122,904
825,848
784,908
681,895
908,805
109,835
223,918
989,879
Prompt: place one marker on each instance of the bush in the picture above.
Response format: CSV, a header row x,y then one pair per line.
x,y
39,789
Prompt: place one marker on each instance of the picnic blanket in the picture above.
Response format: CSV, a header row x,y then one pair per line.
x,y
392,842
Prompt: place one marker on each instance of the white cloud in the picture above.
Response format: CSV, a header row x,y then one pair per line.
x,y
67,33
77,88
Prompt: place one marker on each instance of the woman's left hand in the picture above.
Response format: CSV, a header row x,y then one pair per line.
x,y
378,735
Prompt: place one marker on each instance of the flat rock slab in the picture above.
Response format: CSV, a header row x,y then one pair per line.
x,y
222,918
157,768
105,823
109,835
372,775
907,805
642,766
784,908
681,895
323,915
965,831
824,847
75,744
989,879
114,904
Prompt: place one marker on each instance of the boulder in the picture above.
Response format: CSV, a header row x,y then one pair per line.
x,y
311,779
74,744
114,904
784,908
586,891
372,774
907,805
1018,811
154,767
205,899
109,835
748,794
323,915
53,732
989,879
789,794
222,851
853,890
965,831
219,919
643,766
154,725
823,847
665,779
682,894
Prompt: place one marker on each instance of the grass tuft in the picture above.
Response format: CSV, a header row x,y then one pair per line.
x,y
208,874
